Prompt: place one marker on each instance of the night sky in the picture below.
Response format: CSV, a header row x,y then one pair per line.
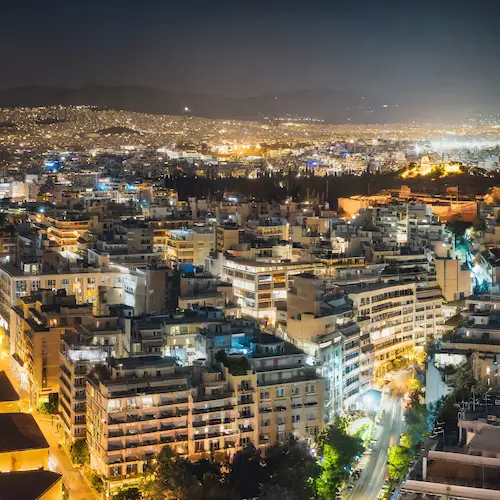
x,y
243,48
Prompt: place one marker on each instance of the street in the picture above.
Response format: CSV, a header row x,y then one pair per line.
x,y
372,478
58,459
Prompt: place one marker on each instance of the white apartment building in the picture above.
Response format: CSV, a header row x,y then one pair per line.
x,y
260,287
398,318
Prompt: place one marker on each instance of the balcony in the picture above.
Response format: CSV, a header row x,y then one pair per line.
x,y
213,421
115,433
65,371
214,396
245,401
245,388
244,429
197,411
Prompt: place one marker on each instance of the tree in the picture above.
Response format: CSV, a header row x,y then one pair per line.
x,y
247,463
79,452
398,462
95,481
327,484
173,474
337,437
416,419
127,494
337,449
50,406
458,227
292,467
276,492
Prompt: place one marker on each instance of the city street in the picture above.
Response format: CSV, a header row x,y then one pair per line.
x,y
58,459
368,486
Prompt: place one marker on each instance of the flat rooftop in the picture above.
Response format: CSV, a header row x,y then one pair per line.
x,y
142,362
487,439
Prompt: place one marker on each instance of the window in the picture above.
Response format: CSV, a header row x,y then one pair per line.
x,y
147,401
311,416
113,405
295,418
310,388
280,393
131,468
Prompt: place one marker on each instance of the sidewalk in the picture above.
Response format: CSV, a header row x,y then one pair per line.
x,y
60,462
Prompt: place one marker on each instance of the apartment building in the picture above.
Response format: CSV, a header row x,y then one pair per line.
x,y
387,312
80,352
469,469
77,360
8,245
135,406
268,228
227,236
189,246
260,287
82,282
148,289
331,362
64,230
176,334
234,403
200,288
291,396
37,323
454,278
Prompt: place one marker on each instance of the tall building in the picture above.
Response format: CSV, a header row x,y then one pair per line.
x,y
290,393
37,324
135,406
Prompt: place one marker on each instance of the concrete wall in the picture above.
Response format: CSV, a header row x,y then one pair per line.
x,y
24,460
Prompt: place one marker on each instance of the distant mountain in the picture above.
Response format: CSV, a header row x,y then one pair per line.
x,y
330,106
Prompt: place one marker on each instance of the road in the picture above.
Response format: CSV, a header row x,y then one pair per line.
x,y
59,461
372,478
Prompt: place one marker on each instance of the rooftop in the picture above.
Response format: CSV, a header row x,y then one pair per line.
x,y
487,439
142,362
27,485
19,431
7,392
